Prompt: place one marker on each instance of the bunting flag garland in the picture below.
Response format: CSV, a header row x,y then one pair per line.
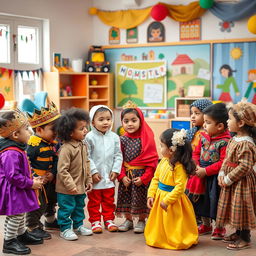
x,y
18,71
26,38
126,19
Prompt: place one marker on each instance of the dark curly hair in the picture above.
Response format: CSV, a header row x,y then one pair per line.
x,y
182,154
129,110
66,124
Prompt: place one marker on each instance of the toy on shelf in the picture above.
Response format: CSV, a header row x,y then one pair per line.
x,y
94,95
96,60
68,90
94,82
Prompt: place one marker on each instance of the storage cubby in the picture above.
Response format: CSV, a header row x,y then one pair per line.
x,y
81,87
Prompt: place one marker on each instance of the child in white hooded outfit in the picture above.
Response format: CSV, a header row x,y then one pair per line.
x,y
106,161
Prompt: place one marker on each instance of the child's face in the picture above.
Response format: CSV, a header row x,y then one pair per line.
x,y
212,127
155,32
232,123
197,117
80,131
23,134
47,132
131,122
102,121
165,151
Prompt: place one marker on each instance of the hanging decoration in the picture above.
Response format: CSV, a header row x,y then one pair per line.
x,y
25,37
18,71
182,13
134,17
236,53
251,25
226,26
206,4
159,12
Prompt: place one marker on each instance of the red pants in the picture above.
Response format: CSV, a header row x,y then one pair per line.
x,y
103,198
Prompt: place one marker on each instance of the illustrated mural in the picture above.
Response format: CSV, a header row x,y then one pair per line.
x,y
234,71
186,65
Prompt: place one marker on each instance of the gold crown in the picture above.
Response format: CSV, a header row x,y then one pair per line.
x,y
129,104
13,125
43,116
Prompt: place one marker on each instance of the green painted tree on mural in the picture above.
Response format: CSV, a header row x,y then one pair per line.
x,y
114,33
129,87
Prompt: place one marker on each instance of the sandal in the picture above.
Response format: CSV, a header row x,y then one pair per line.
x,y
239,245
231,238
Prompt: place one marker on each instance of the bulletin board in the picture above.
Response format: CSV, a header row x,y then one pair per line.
x,y
186,65
143,82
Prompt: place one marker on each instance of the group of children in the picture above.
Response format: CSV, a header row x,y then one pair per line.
x,y
203,171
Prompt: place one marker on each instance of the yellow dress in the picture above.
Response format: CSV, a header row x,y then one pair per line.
x,y
175,228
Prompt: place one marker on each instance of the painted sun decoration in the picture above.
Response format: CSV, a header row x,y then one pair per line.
x,y
236,53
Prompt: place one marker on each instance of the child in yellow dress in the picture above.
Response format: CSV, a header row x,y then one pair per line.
x,y
172,223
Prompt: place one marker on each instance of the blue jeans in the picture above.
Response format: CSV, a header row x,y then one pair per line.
x,y
71,211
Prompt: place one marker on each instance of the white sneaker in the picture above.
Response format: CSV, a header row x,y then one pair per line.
x,y
84,231
127,225
69,235
139,228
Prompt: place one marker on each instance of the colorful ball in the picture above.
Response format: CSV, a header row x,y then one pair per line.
x,y
206,4
2,100
251,25
159,12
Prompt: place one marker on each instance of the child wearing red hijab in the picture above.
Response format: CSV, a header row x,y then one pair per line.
x,y
140,161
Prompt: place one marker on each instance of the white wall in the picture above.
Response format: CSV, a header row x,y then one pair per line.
x,y
210,24
70,24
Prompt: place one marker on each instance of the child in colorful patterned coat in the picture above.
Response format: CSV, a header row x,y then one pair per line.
x,y
237,177
203,188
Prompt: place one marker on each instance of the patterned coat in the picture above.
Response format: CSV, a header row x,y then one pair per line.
x,y
237,202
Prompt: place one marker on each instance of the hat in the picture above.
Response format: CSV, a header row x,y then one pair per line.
x,y
129,104
43,116
246,111
13,125
201,104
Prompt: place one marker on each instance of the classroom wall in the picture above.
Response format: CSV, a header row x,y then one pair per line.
x,y
70,24
209,22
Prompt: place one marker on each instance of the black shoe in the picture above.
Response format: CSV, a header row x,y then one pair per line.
x,y
28,238
52,225
40,233
15,246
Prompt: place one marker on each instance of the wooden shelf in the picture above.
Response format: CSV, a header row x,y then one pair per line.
x,y
73,97
97,100
81,87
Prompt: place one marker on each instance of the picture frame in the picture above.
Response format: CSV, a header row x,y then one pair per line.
x,y
114,35
155,32
190,30
65,62
57,59
132,35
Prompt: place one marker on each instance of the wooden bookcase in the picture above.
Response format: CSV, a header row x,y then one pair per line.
x,y
81,87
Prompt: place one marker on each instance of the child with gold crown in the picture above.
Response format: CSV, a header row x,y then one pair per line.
x,y
16,183
42,155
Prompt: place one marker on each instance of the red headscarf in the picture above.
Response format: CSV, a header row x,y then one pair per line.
x,y
148,155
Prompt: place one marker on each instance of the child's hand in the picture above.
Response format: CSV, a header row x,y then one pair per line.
x,y
126,181
137,181
163,205
150,202
96,178
88,187
113,176
37,183
73,191
221,181
49,177
200,172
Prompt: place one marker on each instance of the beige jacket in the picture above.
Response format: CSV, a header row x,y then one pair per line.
x,y
73,168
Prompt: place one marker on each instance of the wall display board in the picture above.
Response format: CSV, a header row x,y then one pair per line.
x,y
234,71
186,65
143,82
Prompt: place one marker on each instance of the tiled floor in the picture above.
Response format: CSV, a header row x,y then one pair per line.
x,y
125,244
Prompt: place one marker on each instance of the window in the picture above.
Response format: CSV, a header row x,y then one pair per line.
x,y
21,50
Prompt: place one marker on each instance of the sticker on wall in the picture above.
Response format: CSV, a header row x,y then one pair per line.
x,y
190,30
236,53
156,32
114,35
226,26
132,35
